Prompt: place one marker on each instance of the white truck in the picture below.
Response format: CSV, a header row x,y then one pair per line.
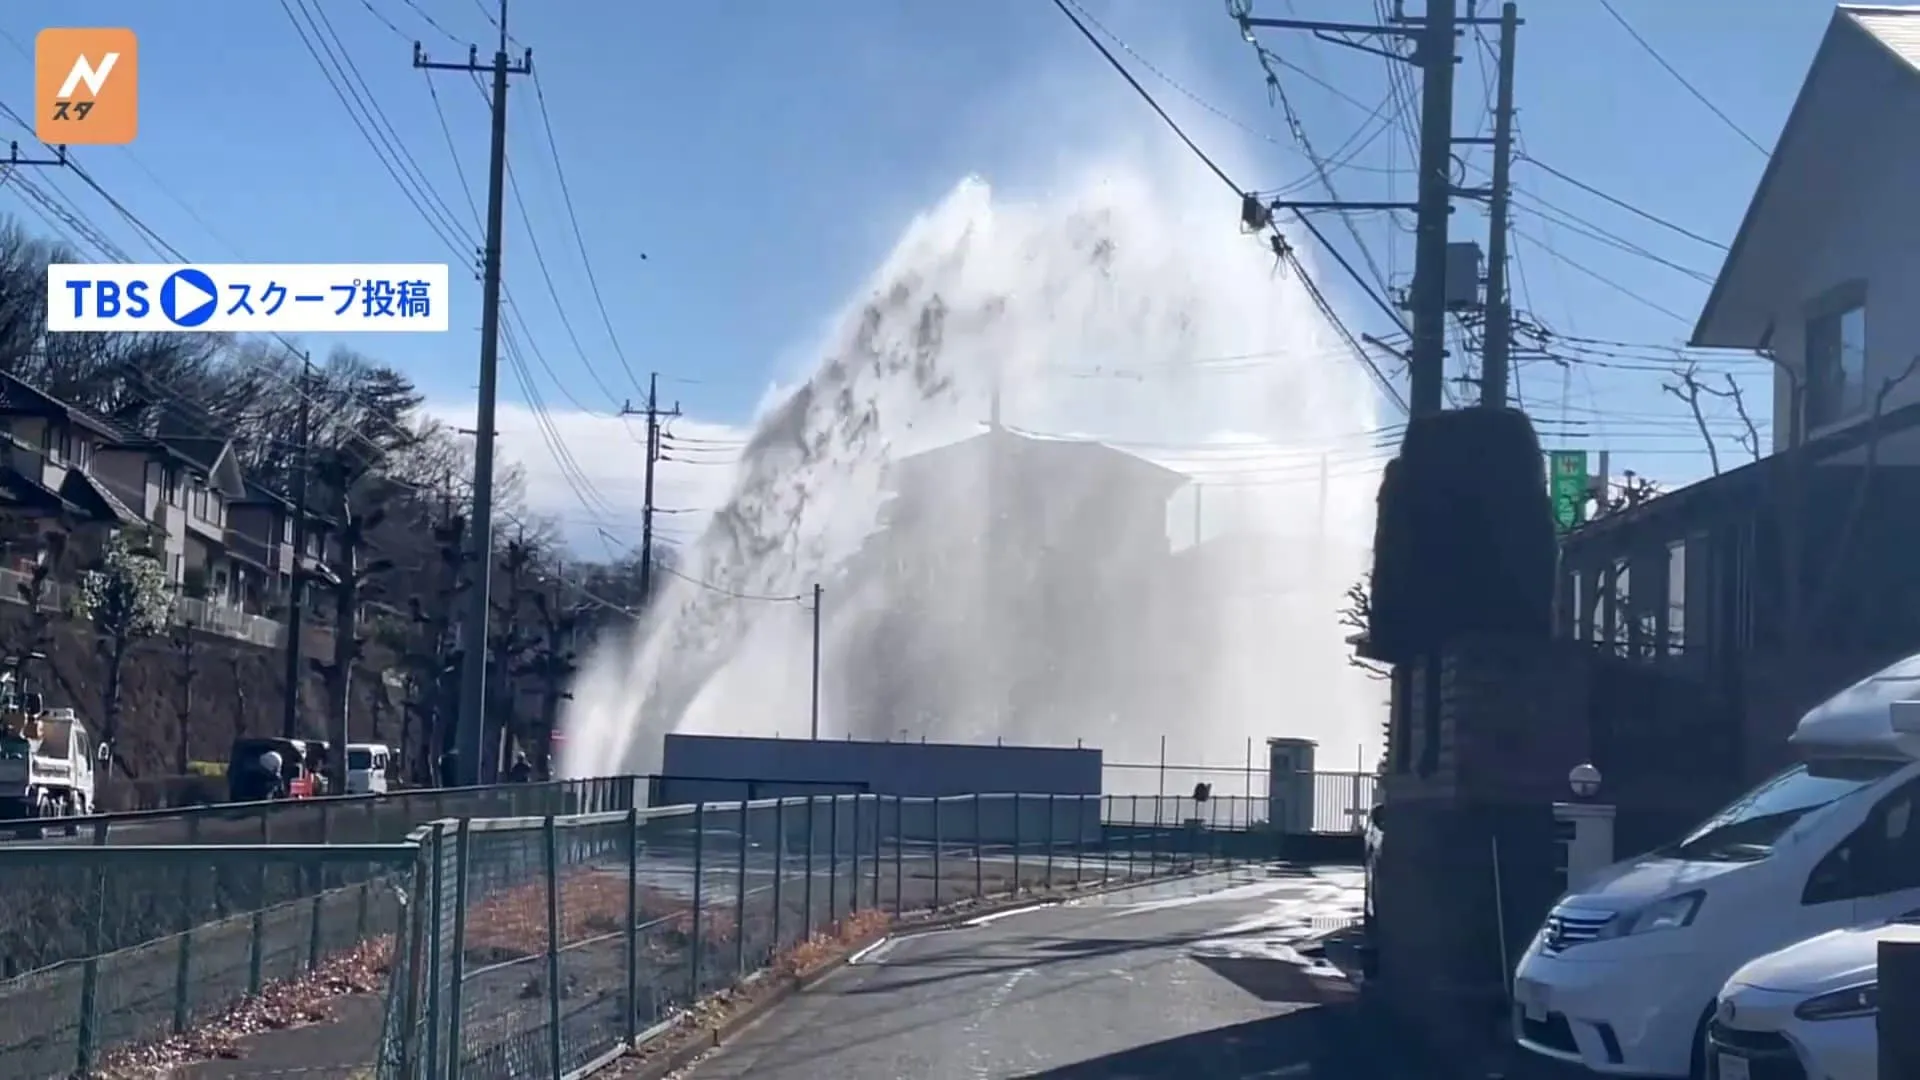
x,y
46,757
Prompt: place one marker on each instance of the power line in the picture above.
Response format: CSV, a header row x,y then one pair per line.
x,y
1306,281
722,590
1681,79
579,238
1621,203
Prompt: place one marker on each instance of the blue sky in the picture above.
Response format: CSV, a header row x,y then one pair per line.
x,y
763,157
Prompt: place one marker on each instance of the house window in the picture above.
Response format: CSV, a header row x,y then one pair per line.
x,y
174,494
1837,365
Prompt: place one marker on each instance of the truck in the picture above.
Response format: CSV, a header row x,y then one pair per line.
x,y
46,755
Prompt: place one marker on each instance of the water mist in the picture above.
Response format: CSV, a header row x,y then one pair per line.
x,y
1098,311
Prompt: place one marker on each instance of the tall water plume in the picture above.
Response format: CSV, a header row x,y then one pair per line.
x,y
1101,310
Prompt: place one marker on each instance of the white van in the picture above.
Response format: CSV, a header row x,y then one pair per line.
x,y
1624,976
1812,1006
367,765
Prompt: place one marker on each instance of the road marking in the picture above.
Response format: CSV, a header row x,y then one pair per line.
x,y
874,952
994,917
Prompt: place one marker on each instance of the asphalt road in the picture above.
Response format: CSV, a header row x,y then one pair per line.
x,y
1182,979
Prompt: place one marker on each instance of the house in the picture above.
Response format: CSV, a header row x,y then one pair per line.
x,y
1820,273
47,450
209,479
985,549
1780,580
261,533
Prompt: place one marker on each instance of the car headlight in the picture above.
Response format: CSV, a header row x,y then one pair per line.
x,y
1842,1004
1670,914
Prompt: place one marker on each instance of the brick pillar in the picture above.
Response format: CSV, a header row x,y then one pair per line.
x,y
1467,868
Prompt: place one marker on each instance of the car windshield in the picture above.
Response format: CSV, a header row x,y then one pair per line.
x,y
1749,826
360,760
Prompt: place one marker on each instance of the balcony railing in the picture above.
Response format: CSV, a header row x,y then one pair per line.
x,y
204,615
229,622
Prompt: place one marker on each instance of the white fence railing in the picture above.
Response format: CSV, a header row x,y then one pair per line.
x,y
214,618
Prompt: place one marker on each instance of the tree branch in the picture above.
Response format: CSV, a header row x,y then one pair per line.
x,y
1688,390
1857,506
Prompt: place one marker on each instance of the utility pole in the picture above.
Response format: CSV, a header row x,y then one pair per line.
x,y
1496,359
297,584
654,415
471,720
818,592
1435,54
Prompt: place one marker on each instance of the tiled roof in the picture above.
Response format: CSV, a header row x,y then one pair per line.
x,y
19,396
90,494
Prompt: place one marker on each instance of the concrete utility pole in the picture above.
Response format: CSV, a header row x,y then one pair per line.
x,y
473,634
1435,54
297,583
654,415
1496,359
1436,57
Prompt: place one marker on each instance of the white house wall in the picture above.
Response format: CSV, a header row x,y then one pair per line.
x,y
1846,213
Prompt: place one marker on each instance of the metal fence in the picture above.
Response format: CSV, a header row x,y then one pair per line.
x,y
441,949
546,946
246,922
383,818
1305,802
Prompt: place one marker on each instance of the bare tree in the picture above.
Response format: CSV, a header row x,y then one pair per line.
x,y
183,643
1789,484
1357,616
1689,390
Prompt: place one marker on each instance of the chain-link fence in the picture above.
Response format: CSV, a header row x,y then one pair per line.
x,y
526,946
139,945
547,945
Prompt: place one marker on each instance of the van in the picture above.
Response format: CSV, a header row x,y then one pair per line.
x,y
1623,976
367,767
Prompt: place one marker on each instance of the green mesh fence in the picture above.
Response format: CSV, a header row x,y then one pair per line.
x,y
553,944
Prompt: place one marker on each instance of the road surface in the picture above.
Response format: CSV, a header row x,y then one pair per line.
x,y
1193,978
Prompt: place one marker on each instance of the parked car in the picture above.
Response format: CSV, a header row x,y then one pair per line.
x,y
1812,1007
1625,975
369,768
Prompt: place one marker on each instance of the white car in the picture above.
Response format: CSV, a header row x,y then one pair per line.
x,y
1625,975
1809,1009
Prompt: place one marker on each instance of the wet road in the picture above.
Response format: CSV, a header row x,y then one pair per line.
x,y
1186,979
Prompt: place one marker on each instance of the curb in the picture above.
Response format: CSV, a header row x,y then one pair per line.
x,y
787,986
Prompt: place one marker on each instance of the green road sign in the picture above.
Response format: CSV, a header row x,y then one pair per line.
x,y
1567,481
